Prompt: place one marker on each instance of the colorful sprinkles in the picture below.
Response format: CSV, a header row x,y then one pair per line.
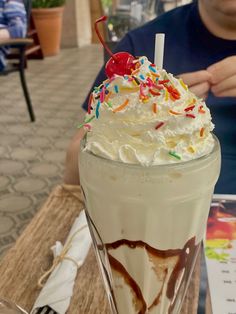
x,y
102,94
149,86
116,88
183,85
201,110
190,108
142,77
151,68
154,93
90,103
121,107
202,132
97,109
175,112
136,80
190,115
85,122
109,104
173,154
154,107
191,149
159,125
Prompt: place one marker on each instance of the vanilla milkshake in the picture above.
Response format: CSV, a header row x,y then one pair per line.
x,y
148,167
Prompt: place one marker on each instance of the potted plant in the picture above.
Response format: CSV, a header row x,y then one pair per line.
x,y
47,16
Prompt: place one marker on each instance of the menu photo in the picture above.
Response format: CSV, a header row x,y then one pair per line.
x,y
220,253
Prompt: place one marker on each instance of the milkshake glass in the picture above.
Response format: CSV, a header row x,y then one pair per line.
x,y
147,225
148,167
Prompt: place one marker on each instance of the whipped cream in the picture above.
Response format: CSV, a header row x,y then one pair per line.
x,y
147,118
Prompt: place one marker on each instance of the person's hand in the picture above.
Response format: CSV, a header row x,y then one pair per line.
x,y
198,82
223,77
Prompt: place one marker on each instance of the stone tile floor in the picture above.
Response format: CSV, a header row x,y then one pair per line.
x,y
32,154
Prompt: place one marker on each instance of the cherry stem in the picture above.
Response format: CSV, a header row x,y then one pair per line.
x,y
103,19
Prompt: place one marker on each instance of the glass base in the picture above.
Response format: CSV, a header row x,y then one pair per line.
x,y
161,304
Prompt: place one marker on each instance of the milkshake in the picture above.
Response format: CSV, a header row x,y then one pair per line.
x,y
148,167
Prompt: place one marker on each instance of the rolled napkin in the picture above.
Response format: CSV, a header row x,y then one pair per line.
x,y
58,289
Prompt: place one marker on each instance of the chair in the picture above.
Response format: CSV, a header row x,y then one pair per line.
x,y
19,64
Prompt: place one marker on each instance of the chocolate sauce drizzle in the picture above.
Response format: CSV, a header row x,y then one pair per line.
x,y
117,266
185,258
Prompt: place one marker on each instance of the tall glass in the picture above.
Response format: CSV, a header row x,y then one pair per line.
x,y
9,307
147,224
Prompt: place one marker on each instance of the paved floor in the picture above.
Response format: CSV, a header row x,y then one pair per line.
x,y
32,154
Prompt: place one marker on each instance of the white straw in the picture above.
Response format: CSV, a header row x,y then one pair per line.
x,y
159,50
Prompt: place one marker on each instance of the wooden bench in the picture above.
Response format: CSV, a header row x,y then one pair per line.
x,y
24,263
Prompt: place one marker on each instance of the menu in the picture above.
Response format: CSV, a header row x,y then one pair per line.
x,y
220,252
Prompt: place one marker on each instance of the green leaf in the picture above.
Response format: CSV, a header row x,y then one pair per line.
x,y
36,4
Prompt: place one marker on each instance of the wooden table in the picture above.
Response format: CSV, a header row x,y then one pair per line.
x,y
24,263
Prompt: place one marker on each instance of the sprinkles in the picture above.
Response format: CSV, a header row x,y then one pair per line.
x,y
152,69
201,110
136,79
142,90
145,99
163,95
191,149
109,104
129,89
90,103
135,71
154,93
163,81
189,115
183,85
116,88
156,75
97,109
166,95
202,132
154,107
159,125
102,94
149,82
175,113
173,154
121,107
142,77
189,108
174,93
85,122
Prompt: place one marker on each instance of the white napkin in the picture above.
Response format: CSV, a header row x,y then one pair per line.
x,y
58,289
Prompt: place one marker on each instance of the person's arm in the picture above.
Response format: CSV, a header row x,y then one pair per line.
x,y
15,15
124,45
4,34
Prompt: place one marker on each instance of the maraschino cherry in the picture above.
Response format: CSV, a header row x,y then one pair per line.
x,y
120,63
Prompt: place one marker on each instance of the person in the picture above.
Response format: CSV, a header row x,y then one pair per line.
x,y
200,47
12,24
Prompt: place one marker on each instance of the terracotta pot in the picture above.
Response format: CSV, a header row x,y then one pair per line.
x,y
48,23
